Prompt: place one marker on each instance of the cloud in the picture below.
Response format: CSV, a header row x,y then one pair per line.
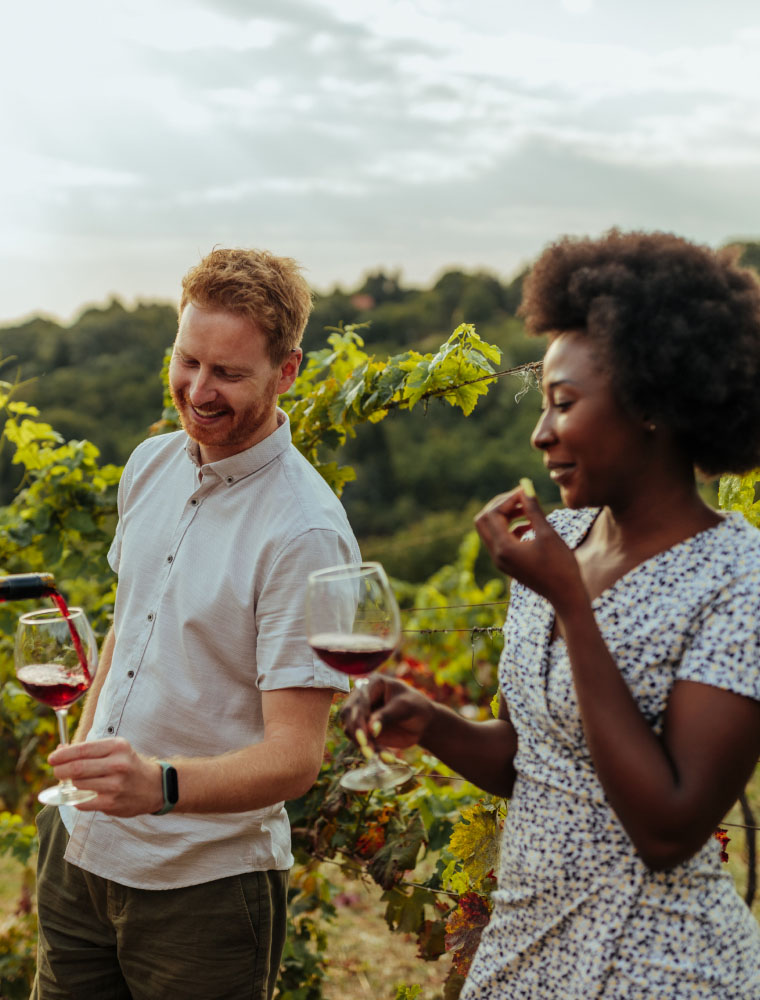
x,y
414,134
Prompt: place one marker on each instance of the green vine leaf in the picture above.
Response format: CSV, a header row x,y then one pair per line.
x,y
17,837
405,908
399,854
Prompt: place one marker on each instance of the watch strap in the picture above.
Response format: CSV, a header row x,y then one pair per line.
x,y
169,787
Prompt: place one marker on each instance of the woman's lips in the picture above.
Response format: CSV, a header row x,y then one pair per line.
x,y
560,472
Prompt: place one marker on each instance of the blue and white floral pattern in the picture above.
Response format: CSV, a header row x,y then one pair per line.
x,y
577,915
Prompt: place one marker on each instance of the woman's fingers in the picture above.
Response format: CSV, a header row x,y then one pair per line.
x,y
503,521
386,712
503,524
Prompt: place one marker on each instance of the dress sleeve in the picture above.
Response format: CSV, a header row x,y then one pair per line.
x,y
725,647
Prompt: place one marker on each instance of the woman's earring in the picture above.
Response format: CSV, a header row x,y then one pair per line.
x,y
652,427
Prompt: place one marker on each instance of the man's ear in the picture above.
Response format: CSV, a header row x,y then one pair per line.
x,y
289,370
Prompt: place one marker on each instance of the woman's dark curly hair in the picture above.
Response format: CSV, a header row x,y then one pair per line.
x,y
679,325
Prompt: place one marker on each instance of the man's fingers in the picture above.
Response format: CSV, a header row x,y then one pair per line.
x,y
85,751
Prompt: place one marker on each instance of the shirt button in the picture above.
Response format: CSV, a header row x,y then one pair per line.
x,y
170,558
194,503
151,616
130,673
110,730
230,480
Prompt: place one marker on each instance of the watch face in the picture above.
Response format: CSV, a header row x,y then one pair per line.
x,y
172,787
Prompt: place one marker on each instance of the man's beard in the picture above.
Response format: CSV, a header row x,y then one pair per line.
x,y
233,428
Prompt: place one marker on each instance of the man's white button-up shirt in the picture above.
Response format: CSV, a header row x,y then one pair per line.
x,y
212,563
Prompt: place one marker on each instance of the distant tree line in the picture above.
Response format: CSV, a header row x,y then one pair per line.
x,y
98,378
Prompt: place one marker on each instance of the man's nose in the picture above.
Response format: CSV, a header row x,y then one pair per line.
x,y
202,388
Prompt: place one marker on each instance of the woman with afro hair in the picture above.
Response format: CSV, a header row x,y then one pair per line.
x,y
629,716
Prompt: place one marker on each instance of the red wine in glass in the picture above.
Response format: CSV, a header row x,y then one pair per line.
x,y
24,586
350,653
51,684
56,657
353,624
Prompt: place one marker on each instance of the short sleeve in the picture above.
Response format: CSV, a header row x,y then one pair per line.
x,y
283,656
114,552
725,648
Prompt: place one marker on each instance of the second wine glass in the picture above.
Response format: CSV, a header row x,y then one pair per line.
x,y
353,624
56,656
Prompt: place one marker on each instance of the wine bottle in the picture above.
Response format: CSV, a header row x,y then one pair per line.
x,y
24,586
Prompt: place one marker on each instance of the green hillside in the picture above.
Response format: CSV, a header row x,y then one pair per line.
x,y
98,378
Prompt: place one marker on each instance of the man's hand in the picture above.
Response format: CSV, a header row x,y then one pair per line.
x,y
283,765
127,783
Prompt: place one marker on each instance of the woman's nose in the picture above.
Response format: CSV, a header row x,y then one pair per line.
x,y
543,433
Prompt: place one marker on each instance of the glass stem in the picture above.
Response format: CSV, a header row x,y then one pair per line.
x,y
374,766
63,736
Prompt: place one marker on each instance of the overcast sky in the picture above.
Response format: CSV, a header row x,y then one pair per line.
x,y
358,134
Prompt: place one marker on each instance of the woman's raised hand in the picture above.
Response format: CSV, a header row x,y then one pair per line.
x,y
544,563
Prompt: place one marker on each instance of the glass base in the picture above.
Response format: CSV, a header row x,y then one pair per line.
x,y
376,774
65,795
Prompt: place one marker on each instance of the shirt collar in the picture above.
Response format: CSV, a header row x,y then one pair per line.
x,y
245,463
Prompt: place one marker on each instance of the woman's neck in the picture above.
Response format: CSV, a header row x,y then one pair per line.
x,y
657,517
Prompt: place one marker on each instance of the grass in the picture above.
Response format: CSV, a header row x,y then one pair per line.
x,y
366,961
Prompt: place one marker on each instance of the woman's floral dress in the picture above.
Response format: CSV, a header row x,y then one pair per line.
x,y
577,915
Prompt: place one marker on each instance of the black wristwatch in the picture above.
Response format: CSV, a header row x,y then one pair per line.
x,y
170,786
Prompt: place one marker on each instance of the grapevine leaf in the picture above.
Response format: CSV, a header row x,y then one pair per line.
x,y
417,381
453,985
464,928
466,396
79,520
489,351
431,940
16,837
385,387
405,908
336,476
398,855
739,493
19,406
475,843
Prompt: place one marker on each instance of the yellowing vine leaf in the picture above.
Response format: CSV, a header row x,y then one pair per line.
x,y
475,844
740,493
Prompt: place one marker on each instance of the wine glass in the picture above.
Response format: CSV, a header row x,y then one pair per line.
x,y
56,657
353,624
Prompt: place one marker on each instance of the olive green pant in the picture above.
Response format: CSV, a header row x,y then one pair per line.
x,y
99,940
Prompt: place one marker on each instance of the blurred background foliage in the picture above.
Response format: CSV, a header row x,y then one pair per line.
x,y
98,379
420,476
